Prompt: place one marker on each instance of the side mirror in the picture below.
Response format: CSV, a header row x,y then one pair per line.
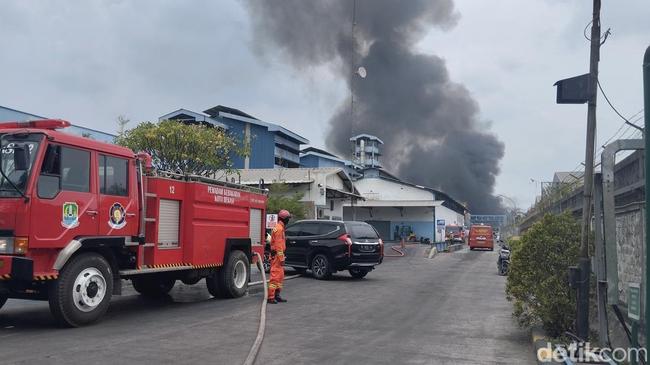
x,y
21,157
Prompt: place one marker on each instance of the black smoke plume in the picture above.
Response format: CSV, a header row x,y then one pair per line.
x,y
429,124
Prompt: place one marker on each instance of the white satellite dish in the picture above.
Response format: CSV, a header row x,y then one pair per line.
x,y
361,71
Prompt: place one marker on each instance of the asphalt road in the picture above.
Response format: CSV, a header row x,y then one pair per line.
x,y
411,310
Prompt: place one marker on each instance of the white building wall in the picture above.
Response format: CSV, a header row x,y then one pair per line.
x,y
335,181
451,218
380,189
337,212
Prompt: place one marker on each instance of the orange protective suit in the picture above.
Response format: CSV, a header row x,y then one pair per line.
x,y
278,244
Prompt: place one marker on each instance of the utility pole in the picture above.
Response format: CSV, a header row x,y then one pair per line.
x,y
584,264
646,102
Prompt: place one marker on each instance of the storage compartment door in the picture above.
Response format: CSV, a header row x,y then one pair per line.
x,y
168,223
255,226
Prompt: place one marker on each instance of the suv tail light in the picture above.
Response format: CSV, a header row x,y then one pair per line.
x,y
348,241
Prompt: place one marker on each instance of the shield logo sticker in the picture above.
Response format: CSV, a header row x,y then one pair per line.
x,y
117,216
70,215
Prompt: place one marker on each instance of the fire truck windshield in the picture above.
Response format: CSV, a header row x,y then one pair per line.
x,y
18,175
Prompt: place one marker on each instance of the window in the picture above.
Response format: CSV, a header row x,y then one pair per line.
x,y
328,228
309,229
332,205
361,231
64,169
113,176
293,230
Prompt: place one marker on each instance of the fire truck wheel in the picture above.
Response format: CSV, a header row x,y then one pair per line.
x,y
153,287
82,293
232,280
3,300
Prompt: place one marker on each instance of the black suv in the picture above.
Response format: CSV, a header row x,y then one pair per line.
x,y
325,247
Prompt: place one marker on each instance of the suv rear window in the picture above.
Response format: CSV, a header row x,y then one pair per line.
x,y
361,231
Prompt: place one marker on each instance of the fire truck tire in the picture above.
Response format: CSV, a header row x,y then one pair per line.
x,y
153,287
82,292
232,280
3,300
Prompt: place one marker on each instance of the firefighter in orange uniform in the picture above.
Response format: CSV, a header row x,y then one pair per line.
x,y
278,245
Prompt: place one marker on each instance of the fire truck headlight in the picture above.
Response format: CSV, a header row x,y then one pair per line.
x,y
6,245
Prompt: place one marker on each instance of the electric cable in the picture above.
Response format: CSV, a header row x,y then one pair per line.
x,y
614,109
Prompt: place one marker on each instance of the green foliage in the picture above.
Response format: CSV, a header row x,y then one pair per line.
x,y
280,198
538,274
182,148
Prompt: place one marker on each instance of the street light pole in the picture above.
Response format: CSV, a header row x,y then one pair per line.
x,y
582,315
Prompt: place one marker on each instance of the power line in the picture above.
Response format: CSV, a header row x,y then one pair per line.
x,y
616,111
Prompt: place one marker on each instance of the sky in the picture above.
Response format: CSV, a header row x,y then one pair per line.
x,y
91,61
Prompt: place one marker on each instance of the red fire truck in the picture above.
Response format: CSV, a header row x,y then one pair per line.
x,y
77,216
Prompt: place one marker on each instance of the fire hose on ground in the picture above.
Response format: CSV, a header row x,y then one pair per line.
x,y
400,252
252,354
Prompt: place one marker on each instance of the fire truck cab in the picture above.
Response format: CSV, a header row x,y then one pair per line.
x,y
77,216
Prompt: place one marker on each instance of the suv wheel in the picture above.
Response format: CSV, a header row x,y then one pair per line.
x,y
358,273
320,267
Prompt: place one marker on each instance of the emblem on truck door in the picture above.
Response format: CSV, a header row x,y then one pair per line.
x,y
117,216
70,215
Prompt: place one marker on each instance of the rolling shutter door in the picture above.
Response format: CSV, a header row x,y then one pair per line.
x,y
168,222
255,226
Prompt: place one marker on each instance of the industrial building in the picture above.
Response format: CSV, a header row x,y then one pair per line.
x,y
9,114
314,157
367,150
396,207
325,190
270,144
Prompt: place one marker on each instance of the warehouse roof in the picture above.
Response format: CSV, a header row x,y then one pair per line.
x,y
292,176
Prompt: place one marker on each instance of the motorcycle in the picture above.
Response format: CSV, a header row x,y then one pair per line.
x,y
504,260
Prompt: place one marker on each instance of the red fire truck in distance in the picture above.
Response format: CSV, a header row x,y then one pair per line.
x,y
77,216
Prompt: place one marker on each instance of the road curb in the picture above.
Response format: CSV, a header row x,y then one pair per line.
x,y
541,346
433,252
455,247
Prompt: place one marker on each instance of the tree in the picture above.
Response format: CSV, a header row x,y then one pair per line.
x,y
280,198
538,274
183,148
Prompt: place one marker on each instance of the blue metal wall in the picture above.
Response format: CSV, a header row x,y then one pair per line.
x,y
262,148
7,114
236,130
316,161
15,115
262,153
